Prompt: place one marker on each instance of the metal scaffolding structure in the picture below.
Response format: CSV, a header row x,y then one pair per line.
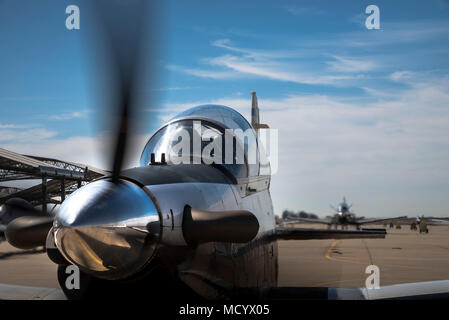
x,y
58,178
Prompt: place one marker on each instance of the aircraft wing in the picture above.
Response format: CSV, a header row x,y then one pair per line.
x,y
438,221
430,290
312,234
375,220
308,220
407,291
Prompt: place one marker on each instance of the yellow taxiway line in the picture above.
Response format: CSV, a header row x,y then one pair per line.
x,y
332,246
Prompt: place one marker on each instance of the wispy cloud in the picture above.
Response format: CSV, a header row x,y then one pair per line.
x,y
301,11
259,53
273,70
352,65
204,73
10,126
392,33
274,65
20,135
401,75
174,88
306,62
68,116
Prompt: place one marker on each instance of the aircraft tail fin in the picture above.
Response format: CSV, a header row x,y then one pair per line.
x,y
255,121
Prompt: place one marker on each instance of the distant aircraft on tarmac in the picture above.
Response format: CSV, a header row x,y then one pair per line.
x,y
422,223
343,217
430,220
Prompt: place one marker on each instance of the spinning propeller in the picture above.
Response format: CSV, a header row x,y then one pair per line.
x,y
31,230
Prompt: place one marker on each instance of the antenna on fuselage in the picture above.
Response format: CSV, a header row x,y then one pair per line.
x,y
255,121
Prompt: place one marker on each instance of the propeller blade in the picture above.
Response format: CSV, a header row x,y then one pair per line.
x,y
124,27
119,66
199,226
121,140
28,232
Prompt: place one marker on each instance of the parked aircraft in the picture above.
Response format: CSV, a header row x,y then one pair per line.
x,y
343,217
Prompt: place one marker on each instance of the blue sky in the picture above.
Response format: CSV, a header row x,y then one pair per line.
x,y
362,113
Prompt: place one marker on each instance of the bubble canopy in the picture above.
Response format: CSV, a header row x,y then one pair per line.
x,y
207,134
228,117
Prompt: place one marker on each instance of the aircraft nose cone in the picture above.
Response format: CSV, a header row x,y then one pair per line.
x,y
109,230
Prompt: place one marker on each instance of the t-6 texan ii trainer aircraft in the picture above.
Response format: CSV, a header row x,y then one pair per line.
x,y
208,226
343,217
193,218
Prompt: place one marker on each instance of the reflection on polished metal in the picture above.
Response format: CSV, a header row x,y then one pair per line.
x,y
109,230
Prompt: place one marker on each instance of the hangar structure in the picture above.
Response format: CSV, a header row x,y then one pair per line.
x,y
58,178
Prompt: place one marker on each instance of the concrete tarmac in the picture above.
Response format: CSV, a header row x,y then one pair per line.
x,y
403,256
26,267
